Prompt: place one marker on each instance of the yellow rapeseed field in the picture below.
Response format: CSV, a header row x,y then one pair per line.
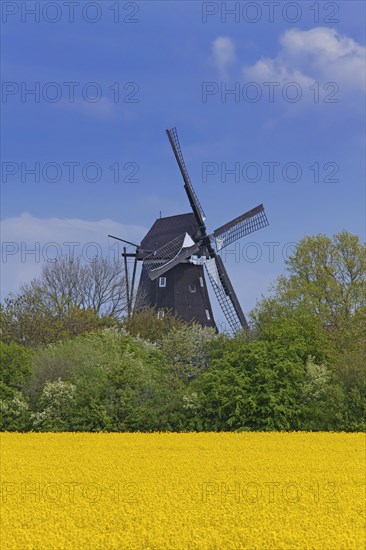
x,y
183,491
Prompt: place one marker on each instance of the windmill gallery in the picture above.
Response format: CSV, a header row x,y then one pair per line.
x,y
176,252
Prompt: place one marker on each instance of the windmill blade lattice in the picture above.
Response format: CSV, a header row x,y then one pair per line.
x,y
224,297
192,196
170,255
239,227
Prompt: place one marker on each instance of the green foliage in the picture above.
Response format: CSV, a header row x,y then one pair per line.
x,y
320,305
186,349
29,320
14,411
292,328
146,325
322,399
15,363
249,385
302,367
327,276
350,375
120,383
55,406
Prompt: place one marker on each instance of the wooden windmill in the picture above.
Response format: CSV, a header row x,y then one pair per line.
x,y
176,254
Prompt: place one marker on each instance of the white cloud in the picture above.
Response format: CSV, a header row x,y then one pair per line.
x,y
319,54
28,242
223,51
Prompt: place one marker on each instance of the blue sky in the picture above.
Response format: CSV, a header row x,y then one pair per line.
x,y
171,62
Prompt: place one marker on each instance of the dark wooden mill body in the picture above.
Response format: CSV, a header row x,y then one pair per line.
x,y
175,254
183,288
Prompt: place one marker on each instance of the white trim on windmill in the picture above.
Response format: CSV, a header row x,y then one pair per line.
x,y
197,260
219,243
212,270
188,241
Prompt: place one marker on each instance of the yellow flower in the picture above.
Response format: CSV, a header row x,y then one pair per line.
x,y
183,491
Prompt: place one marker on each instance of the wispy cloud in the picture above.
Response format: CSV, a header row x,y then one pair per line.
x,y
223,52
28,242
30,228
316,54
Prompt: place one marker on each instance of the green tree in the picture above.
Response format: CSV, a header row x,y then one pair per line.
x,y
145,324
248,386
350,375
319,306
186,349
328,276
28,319
322,399
14,411
293,328
121,383
15,363
56,407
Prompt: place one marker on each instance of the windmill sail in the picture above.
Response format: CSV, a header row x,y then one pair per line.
x,y
239,227
170,255
225,294
193,199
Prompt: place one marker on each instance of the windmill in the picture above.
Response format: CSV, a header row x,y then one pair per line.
x,y
175,253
